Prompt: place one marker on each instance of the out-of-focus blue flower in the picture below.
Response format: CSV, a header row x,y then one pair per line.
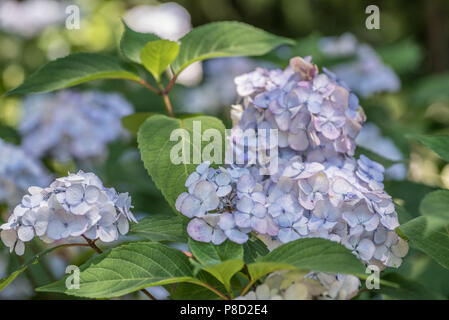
x,y
72,125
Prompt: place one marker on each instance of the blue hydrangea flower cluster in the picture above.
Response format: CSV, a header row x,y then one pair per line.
x,y
366,74
318,189
71,206
72,125
17,172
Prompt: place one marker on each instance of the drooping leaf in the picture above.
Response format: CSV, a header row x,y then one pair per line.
x,y
156,147
72,70
133,121
132,43
406,289
308,254
128,268
429,234
437,143
160,227
436,204
157,55
224,39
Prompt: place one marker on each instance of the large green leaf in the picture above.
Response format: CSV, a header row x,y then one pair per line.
x,y
72,70
224,39
157,55
208,253
160,227
128,268
132,43
406,289
224,271
437,143
429,234
155,148
436,204
308,254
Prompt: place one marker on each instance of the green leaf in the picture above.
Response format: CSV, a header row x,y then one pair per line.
x,y
431,235
155,148
191,291
309,254
436,204
157,55
224,271
437,143
222,261
224,39
4,282
72,70
133,121
132,43
160,227
406,289
208,253
253,249
128,268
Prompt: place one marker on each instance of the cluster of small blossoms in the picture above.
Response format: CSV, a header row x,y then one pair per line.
x,y
295,285
367,74
72,206
309,111
17,172
316,190
72,125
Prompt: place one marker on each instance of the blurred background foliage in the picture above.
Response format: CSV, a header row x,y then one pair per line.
x,y
412,39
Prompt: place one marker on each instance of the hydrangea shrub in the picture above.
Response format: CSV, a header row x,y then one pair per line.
x,y
305,228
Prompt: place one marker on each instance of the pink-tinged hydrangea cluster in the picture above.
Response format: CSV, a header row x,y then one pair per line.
x,y
72,206
17,172
317,190
72,125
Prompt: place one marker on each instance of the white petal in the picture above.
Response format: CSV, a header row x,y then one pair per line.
x,y
74,194
25,233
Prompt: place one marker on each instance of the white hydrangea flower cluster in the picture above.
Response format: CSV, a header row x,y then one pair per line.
x,y
71,206
71,124
367,74
295,285
17,172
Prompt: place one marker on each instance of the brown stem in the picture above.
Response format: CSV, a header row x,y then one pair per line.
x,y
168,104
92,244
170,84
149,87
